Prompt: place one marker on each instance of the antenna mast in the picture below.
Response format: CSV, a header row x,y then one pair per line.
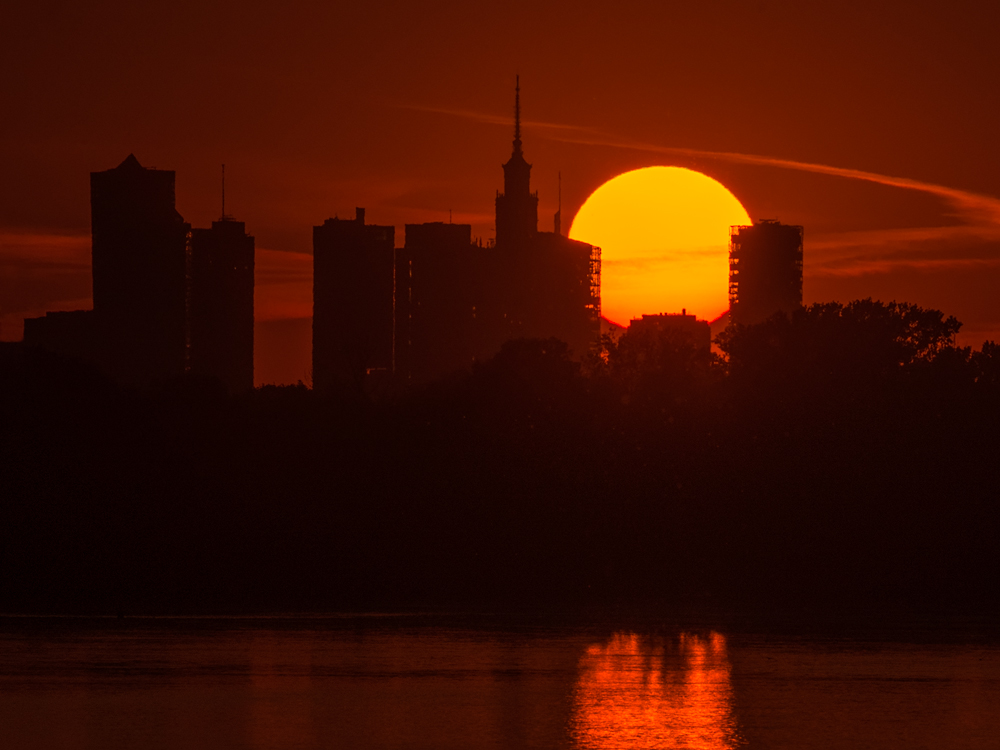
x,y
517,114
558,217
223,191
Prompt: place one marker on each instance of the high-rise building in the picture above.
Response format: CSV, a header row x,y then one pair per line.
x,y
221,304
437,285
166,298
139,272
352,301
765,271
452,301
536,284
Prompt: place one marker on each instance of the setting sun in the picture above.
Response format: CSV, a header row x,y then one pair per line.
x,y
663,234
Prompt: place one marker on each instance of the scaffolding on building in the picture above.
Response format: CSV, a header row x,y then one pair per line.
x,y
765,270
595,281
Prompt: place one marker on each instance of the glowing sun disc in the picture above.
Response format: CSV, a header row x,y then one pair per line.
x,y
664,239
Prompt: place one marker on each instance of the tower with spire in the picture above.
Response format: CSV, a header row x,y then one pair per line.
x,y
516,206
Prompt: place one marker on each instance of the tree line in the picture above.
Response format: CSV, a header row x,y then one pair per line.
x,y
841,455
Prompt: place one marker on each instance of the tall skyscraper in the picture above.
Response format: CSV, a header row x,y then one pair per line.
x,y
436,296
139,272
352,301
221,304
765,271
535,284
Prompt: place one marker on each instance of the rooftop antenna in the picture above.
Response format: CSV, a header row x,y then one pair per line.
x,y
517,113
223,191
559,208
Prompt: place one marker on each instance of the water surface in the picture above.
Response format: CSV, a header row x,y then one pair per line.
x,y
369,682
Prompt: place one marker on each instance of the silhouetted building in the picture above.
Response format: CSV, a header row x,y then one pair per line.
x,y
139,272
221,304
443,302
536,284
437,286
680,327
765,271
550,287
166,298
352,301
516,206
70,333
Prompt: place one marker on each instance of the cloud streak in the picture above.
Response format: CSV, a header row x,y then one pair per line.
x,y
979,214
506,120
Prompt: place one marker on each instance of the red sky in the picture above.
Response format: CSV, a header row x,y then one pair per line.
x,y
404,108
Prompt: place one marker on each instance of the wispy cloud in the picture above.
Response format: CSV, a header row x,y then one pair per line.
x,y
979,214
888,238
283,285
505,120
23,250
918,248
862,266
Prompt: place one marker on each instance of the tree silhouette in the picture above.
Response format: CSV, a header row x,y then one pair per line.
x,y
837,349
651,367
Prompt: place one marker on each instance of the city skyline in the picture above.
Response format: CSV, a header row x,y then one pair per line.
x,y
512,375
413,142
171,299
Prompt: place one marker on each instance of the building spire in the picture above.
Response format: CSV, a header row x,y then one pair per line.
x,y
517,115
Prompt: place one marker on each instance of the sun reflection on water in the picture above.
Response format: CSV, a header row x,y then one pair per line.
x,y
641,693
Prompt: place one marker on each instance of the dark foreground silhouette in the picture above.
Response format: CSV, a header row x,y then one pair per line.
x,y
846,456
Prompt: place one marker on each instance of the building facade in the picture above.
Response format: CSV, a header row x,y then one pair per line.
x,y
352,302
167,299
221,304
765,271
437,290
679,327
139,268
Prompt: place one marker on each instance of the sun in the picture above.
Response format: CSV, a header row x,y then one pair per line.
x,y
664,239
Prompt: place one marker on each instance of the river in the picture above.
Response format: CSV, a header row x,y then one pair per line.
x,y
418,681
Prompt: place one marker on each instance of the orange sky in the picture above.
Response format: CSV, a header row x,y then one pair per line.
x,y
316,108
